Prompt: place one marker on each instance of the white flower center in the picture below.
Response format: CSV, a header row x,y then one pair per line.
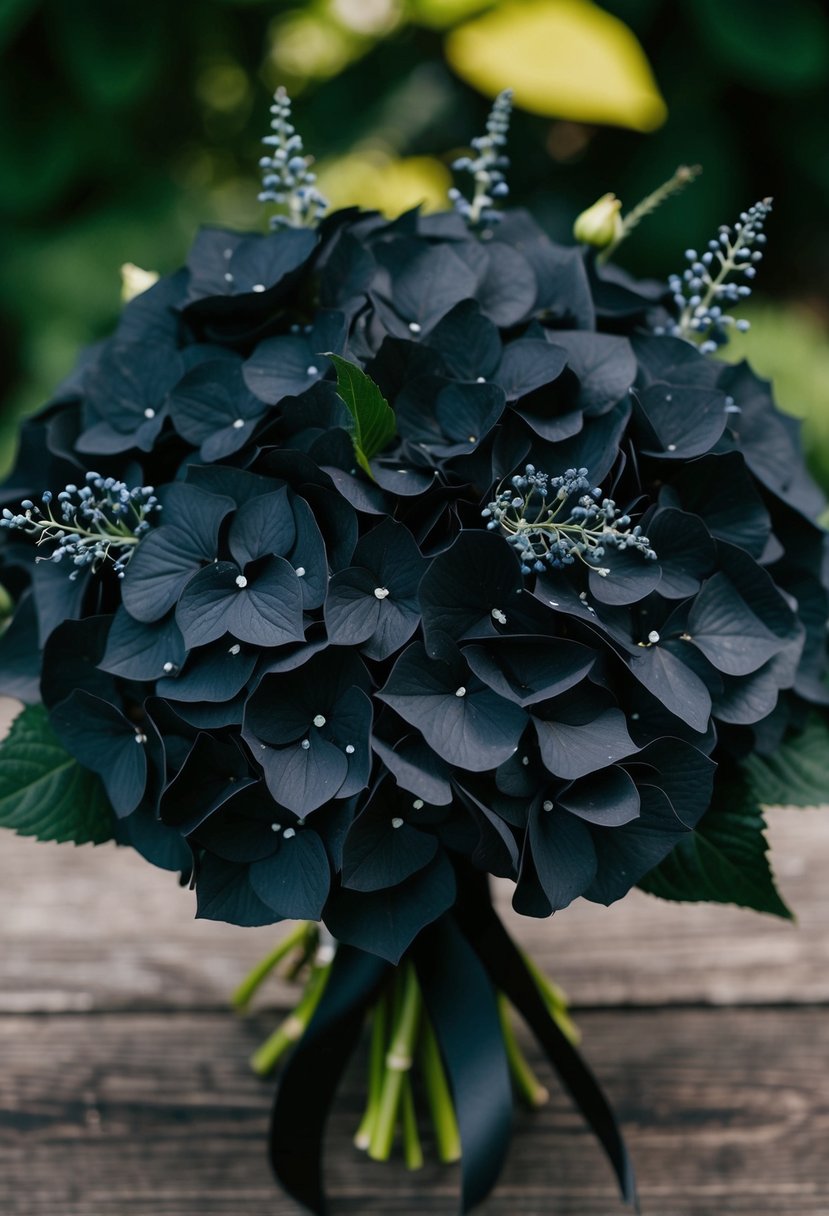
x,y
241,581
381,592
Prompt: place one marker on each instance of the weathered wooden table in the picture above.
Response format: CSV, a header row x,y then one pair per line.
x,y
124,1087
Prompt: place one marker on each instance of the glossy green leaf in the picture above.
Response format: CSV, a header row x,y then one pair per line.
x,y
797,774
724,861
44,792
373,418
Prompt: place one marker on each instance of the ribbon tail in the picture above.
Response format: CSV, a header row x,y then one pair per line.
x,y
311,1076
510,974
461,1004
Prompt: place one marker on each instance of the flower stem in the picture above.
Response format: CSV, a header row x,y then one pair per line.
x,y
412,1149
376,1070
253,980
265,1058
683,176
529,1088
398,1062
441,1107
555,1000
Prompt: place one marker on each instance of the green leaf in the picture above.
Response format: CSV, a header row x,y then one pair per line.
x,y
44,792
724,861
798,772
374,423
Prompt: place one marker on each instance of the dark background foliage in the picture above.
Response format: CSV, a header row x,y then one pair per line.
x,y
124,126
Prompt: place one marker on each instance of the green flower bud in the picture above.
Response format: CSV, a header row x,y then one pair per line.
x,y
600,224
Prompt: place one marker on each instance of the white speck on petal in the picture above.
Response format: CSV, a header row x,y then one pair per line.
x,y
305,744
547,805
460,692
414,327
319,720
349,749
258,287
276,827
139,738
312,371
653,637
228,277
525,759
671,447
499,616
481,380
238,424
397,823
149,413
289,833
168,667
234,649
241,581
381,592
300,571
418,804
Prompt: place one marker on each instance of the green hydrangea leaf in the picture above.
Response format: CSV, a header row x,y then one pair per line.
x,y
44,792
798,772
724,860
373,418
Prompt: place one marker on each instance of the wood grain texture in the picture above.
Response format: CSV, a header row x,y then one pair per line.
x,y
726,1111
98,928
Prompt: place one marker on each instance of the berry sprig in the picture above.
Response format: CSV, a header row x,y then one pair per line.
x,y
548,531
286,172
487,168
100,521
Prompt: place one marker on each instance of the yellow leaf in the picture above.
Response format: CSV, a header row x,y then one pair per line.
x,y
562,58
373,179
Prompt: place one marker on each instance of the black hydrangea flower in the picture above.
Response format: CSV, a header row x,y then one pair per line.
x,y
515,594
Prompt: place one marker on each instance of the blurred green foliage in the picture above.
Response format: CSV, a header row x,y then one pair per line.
x,y
123,126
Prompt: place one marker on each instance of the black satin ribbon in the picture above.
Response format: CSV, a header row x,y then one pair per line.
x,y
462,1006
508,971
462,961
310,1078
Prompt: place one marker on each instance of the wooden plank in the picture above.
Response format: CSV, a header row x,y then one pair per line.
x,y
100,928
156,1115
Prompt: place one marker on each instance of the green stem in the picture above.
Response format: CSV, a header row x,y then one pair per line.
x,y
265,1058
398,1062
412,1150
376,1069
683,176
526,1082
250,984
555,1000
439,1097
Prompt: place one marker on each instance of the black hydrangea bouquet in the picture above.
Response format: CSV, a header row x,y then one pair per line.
x,y
368,559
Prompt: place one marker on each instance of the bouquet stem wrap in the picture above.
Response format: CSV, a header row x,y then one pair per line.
x,y
462,962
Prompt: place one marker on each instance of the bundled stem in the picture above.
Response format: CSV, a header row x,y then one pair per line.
x,y
401,1040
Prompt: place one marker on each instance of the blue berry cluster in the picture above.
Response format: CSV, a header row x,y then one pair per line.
x,y
286,176
539,520
704,290
487,168
103,520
